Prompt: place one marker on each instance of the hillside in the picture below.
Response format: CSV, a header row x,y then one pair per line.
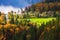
x,y
48,6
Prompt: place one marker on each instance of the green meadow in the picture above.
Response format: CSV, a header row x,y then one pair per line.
x,y
40,21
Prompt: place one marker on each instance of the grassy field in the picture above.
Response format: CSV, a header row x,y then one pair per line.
x,y
39,21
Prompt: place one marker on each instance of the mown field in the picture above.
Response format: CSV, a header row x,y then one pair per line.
x,y
40,21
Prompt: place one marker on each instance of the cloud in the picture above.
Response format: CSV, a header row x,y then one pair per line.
x,y
7,9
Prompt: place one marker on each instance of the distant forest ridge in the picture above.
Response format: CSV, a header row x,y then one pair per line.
x,y
51,1
53,6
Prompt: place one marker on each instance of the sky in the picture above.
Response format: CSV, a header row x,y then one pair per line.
x,y
18,3
15,5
